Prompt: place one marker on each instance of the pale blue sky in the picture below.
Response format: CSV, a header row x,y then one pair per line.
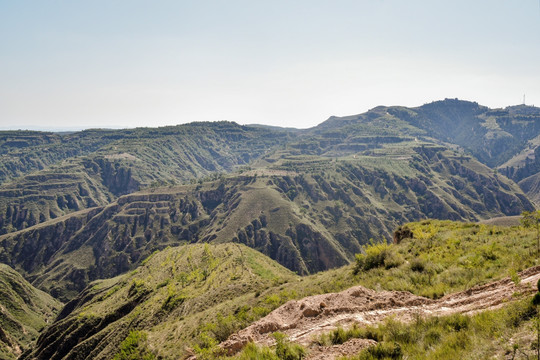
x,y
289,63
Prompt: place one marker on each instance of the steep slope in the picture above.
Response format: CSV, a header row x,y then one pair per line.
x,y
117,162
24,312
531,187
168,298
23,152
309,214
507,139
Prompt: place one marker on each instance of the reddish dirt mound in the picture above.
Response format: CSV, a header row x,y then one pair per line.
x,y
304,320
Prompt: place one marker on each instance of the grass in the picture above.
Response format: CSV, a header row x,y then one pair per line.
x,y
446,256
339,202
134,347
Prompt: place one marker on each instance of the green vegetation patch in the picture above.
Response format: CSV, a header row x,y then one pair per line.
x,y
446,256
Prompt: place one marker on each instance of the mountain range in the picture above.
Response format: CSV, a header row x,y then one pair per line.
x,y
81,207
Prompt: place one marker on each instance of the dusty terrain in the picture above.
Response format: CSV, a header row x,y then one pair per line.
x,y
305,319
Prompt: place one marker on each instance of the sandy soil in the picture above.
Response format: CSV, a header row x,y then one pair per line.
x,y
306,319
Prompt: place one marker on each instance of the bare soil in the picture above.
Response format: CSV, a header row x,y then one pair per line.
x,y
306,319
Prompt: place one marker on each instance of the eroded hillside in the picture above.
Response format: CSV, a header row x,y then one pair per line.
x,y
24,312
307,214
106,164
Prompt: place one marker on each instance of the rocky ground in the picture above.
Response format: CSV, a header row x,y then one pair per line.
x,y
306,319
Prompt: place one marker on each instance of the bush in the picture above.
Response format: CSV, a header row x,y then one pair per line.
x,y
375,256
383,350
287,351
252,351
134,348
457,322
418,265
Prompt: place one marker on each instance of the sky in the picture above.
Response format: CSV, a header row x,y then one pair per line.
x,y
294,63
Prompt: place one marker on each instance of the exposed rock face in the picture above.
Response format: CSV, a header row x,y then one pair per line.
x,y
37,185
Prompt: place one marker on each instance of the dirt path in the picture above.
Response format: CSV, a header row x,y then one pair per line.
x,y
305,319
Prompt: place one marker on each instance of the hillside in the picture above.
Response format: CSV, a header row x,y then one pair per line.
x,y
194,296
304,321
170,297
24,312
307,213
49,175
116,162
23,152
500,138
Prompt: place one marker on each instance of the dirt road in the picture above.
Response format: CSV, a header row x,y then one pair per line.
x,y
305,319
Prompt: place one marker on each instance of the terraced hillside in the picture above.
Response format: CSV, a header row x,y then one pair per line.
x,y
117,162
506,139
23,152
307,213
78,207
46,175
24,312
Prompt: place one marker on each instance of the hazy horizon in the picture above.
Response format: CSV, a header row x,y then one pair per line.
x,y
127,64
119,127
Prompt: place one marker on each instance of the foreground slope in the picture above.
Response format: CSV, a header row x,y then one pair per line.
x,y
24,312
197,295
307,319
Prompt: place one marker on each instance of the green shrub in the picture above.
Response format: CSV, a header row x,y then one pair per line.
x,y
383,350
253,352
418,265
134,347
287,351
457,322
137,287
375,256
